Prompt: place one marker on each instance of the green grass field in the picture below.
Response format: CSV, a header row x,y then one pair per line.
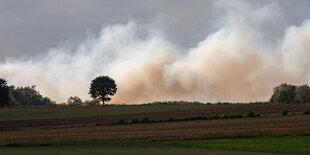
x,y
243,146
46,112
129,149
289,144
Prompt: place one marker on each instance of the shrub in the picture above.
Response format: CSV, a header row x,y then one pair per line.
x,y
99,124
250,114
194,118
200,118
136,120
121,121
94,102
215,117
170,119
306,112
284,112
152,121
145,120
235,116
239,116
224,116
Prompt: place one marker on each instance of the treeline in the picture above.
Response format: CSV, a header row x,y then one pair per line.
x,y
25,96
286,93
173,103
189,118
197,103
29,96
76,101
21,96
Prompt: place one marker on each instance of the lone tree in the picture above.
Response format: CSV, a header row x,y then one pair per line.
x,y
4,93
101,87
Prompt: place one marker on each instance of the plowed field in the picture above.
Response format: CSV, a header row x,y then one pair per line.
x,y
246,127
264,110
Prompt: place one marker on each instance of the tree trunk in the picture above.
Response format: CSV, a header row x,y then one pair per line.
x,y
103,97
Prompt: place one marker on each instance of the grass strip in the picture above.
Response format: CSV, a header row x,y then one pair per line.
x,y
287,144
190,118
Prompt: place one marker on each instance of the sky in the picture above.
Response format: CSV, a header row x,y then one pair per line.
x,y
184,48
33,26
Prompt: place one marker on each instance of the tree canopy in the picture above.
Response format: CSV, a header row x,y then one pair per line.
x,y
286,93
4,93
102,87
27,96
74,101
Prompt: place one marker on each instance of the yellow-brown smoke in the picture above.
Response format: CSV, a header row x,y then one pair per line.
x,y
233,63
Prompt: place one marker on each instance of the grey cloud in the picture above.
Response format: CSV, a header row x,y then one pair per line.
x,y
33,26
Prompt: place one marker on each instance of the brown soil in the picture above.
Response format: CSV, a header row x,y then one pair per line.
x,y
262,126
264,110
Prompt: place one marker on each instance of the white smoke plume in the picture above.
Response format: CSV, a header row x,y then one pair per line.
x,y
235,63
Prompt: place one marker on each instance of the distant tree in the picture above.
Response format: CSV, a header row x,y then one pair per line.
x,y
302,94
284,93
4,93
93,102
27,96
101,87
74,101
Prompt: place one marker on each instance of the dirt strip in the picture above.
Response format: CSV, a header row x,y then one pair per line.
x,y
104,120
261,126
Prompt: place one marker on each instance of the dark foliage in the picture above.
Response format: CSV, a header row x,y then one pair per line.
x,y
286,93
101,87
23,96
121,121
74,101
284,112
306,112
135,120
4,93
145,120
189,118
302,94
94,102
173,103
170,119
215,117
250,114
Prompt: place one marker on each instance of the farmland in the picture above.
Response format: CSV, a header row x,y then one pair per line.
x,y
45,117
128,149
49,125
287,145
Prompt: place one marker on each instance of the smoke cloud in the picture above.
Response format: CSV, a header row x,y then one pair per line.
x,y
238,62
